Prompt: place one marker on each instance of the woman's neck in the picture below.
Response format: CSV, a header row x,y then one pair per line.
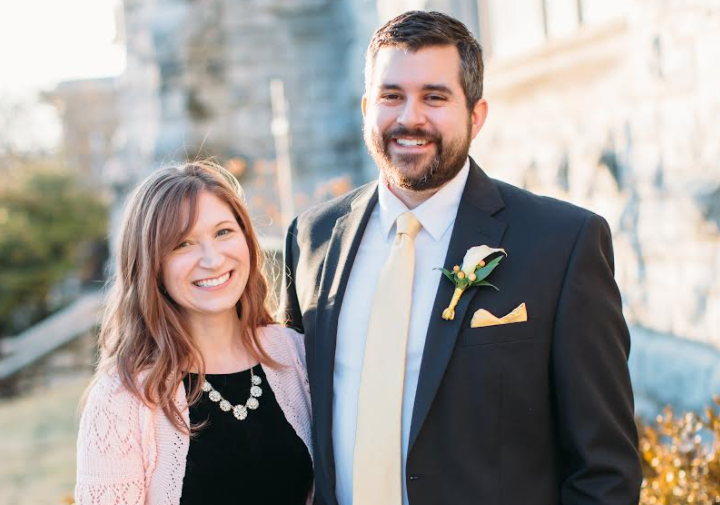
x,y
221,346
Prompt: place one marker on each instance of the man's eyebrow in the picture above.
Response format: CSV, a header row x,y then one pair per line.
x,y
438,87
441,88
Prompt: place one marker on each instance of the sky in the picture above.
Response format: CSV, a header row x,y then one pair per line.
x,y
43,42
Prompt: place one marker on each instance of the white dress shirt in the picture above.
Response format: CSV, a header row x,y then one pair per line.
x,y
437,216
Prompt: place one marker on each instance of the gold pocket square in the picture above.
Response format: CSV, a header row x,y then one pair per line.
x,y
483,318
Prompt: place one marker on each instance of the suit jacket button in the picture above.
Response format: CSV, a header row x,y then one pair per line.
x,y
414,477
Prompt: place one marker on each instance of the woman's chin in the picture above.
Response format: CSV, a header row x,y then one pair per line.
x,y
212,309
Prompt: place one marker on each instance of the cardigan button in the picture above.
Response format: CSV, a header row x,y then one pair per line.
x,y
414,477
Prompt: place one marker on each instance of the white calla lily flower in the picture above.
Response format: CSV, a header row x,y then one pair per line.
x,y
475,255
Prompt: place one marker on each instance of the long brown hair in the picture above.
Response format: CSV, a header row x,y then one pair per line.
x,y
143,331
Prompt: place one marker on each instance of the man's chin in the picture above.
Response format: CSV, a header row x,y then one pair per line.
x,y
412,178
408,173
413,166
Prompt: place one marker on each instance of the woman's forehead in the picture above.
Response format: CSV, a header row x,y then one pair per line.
x,y
209,212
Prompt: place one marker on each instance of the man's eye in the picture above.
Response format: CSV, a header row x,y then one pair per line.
x,y
391,97
436,98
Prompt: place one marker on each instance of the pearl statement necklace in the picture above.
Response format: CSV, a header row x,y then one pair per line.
x,y
239,411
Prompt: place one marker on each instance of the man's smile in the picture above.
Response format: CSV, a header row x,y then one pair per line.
x,y
405,144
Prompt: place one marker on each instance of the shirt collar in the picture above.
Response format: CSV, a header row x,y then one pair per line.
x,y
436,214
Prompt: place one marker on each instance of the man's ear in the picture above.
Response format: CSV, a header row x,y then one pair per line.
x,y
478,116
363,105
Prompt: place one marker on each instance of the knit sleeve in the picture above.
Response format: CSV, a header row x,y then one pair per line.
x,y
110,466
298,342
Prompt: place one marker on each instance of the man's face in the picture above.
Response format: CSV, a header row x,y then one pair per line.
x,y
417,124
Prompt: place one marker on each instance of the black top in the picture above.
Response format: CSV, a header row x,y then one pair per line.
x,y
260,460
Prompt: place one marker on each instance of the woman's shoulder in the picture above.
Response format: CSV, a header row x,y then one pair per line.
x,y
278,334
107,390
107,383
278,341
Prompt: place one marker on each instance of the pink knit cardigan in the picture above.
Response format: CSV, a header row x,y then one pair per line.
x,y
130,454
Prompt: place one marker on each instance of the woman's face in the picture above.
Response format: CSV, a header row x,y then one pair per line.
x,y
207,271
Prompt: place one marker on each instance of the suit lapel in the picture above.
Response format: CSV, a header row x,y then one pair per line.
x,y
342,249
474,225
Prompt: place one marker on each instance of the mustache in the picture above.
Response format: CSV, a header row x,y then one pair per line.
x,y
417,133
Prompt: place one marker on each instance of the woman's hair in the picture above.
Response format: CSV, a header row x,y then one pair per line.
x,y
143,330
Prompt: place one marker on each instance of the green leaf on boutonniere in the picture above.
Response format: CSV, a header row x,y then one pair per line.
x,y
484,283
483,272
447,273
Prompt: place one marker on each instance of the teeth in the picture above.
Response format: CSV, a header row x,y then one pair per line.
x,y
213,282
410,142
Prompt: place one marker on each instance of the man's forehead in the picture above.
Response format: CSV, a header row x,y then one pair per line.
x,y
432,65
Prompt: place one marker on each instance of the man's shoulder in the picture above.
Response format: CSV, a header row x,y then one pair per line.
x,y
326,213
540,209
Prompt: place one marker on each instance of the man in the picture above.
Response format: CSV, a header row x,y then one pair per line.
x,y
414,404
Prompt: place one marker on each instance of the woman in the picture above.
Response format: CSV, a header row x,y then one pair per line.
x,y
199,398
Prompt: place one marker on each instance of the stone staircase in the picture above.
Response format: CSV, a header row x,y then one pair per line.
x,y
36,352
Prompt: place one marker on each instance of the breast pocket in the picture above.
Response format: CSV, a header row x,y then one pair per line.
x,y
496,335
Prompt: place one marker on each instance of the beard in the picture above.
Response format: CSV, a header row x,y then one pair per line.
x,y
418,172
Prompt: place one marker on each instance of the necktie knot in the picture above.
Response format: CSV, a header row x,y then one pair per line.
x,y
408,224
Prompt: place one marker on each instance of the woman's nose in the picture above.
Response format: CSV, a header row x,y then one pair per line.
x,y
211,257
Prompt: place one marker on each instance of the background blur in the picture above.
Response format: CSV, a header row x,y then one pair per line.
x,y
611,104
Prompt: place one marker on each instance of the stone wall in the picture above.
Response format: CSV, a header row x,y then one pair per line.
x,y
198,83
623,118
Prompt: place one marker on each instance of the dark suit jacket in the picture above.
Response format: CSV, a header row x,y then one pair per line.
x,y
539,412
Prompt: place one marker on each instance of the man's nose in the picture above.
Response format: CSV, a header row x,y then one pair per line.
x,y
412,114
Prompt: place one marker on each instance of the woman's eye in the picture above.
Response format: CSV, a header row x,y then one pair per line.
x,y
182,244
224,231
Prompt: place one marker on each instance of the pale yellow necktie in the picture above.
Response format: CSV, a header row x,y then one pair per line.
x,y
377,464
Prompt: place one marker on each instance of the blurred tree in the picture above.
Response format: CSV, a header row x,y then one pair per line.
x,y
52,226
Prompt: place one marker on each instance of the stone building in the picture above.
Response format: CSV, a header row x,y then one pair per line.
x,y
198,83
620,113
87,109
611,104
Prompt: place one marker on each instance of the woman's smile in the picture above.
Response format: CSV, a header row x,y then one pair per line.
x,y
214,283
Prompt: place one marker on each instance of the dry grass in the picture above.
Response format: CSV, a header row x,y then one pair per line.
x,y
37,445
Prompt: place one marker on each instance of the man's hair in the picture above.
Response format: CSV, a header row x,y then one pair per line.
x,y
415,30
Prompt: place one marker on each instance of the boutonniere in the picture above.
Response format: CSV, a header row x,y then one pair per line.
x,y
473,272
